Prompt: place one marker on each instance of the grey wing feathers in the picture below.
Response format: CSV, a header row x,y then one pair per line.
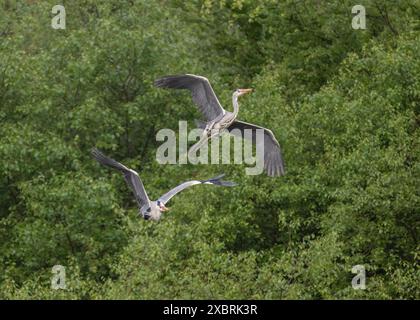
x,y
216,181
131,177
167,196
201,90
103,159
273,160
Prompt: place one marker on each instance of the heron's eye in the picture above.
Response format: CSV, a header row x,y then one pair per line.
x,y
149,209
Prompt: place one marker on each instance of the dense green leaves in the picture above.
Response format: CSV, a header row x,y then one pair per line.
x,y
343,103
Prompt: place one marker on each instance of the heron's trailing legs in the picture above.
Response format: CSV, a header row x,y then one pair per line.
x,y
209,132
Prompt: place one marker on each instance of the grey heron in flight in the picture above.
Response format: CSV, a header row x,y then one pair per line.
x,y
218,118
152,209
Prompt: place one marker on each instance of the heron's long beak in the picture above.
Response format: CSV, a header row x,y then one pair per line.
x,y
244,91
165,208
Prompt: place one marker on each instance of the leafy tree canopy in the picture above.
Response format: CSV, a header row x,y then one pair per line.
x,y
343,103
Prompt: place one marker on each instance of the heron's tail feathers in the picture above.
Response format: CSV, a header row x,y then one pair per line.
x,y
217,181
103,159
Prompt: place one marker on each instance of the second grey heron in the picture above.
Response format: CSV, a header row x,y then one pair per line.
x,y
219,119
152,209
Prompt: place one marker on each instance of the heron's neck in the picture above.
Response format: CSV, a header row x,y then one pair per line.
x,y
235,104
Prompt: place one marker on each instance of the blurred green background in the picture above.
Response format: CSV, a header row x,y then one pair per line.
x,y
343,103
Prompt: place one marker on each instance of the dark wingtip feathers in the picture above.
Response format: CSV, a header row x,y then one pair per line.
x,y
106,161
273,164
159,83
217,181
97,154
171,81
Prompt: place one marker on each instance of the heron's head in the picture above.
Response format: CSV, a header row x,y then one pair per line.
x,y
146,215
162,207
241,92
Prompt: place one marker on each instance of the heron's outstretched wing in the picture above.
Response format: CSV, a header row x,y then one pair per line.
x,y
131,177
201,90
216,181
273,160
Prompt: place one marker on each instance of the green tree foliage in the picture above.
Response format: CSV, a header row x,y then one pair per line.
x,y
343,103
